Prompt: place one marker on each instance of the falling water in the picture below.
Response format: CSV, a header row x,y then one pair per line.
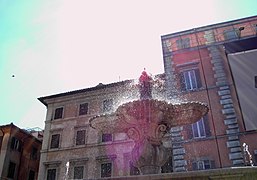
x,y
247,155
67,170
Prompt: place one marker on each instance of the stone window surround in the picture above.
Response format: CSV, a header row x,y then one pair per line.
x,y
105,159
53,132
198,130
52,165
54,112
78,111
78,162
80,128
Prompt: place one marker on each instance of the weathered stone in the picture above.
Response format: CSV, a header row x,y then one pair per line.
x,y
179,169
218,67
175,134
231,144
178,138
226,97
232,131
232,126
180,163
218,75
230,138
178,157
228,106
224,78
228,111
179,151
226,101
230,121
176,145
221,83
238,162
224,87
233,156
224,92
236,149
176,129
231,116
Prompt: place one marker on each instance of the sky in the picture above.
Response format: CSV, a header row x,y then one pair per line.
x,y
54,46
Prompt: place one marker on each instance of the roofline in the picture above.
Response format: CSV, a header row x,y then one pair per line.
x,y
22,130
98,87
207,27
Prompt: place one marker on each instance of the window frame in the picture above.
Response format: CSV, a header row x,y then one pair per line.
x,y
11,170
231,34
15,144
76,137
47,173
58,115
83,171
101,170
197,126
203,164
82,111
59,141
109,137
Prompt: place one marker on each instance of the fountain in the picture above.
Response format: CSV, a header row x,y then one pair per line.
x,y
146,121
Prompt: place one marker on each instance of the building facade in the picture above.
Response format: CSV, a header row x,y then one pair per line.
x,y
20,153
197,68
217,65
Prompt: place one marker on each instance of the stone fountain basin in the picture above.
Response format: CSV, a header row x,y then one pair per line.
x,y
149,111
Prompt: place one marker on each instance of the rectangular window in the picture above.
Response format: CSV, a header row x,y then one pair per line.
x,y
31,175
11,170
183,43
51,174
16,144
55,141
231,34
58,113
203,164
106,170
34,153
190,80
83,109
78,172
107,105
106,137
80,138
198,129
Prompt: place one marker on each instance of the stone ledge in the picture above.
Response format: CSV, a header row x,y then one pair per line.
x,y
244,172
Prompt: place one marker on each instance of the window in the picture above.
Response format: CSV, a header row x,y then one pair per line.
x,y
106,137
255,80
51,174
55,141
80,138
198,129
31,175
58,113
106,170
107,105
190,80
16,144
83,109
183,43
167,167
203,164
231,34
11,170
34,153
78,172
133,170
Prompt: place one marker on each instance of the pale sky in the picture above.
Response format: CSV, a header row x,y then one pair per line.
x,y
55,46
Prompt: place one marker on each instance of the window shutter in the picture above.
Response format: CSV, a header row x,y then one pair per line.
x,y
198,78
182,82
206,125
